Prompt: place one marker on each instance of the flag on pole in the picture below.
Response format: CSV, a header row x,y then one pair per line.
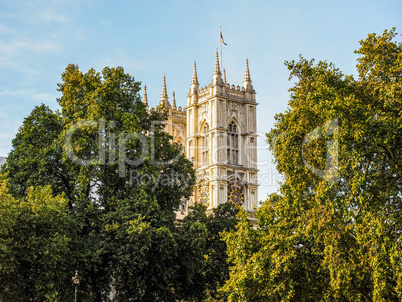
x,y
222,39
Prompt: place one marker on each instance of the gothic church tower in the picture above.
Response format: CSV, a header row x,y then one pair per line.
x,y
221,141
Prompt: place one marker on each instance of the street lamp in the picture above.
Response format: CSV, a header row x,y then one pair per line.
x,y
76,281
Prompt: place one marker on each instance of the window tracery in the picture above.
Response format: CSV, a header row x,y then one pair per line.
x,y
233,144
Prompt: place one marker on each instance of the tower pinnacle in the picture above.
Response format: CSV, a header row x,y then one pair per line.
x,y
247,72
195,78
164,91
194,83
217,69
224,76
145,97
217,76
247,79
174,101
164,96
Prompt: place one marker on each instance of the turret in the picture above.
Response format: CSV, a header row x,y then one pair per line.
x,y
164,97
194,83
192,97
145,97
217,76
247,80
174,101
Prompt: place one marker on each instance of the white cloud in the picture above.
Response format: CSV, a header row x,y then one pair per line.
x,y
13,93
11,48
44,97
120,57
8,129
6,136
5,29
29,94
52,16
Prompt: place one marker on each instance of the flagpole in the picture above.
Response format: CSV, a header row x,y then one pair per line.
x,y
220,45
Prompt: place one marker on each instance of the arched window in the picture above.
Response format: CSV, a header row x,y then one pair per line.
x,y
205,142
233,144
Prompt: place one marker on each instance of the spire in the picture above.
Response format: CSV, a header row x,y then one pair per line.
x,y
194,83
174,101
217,69
247,72
247,79
164,96
145,97
195,78
164,91
224,76
217,77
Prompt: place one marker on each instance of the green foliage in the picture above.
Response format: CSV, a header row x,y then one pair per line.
x,y
35,243
124,213
334,231
204,265
35,159
145,263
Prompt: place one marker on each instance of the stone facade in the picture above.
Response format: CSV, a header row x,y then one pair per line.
x,y
218,131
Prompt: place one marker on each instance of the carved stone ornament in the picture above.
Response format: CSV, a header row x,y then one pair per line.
x,y
204,194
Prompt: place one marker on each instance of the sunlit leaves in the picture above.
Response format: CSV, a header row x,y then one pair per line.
x,y
35,238
321,240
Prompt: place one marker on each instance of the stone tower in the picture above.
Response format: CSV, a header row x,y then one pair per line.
x,y
221,141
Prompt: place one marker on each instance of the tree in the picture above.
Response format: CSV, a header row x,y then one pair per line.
x,y
35,159
120,194
222,219
121,175
35,244
334,231
204,265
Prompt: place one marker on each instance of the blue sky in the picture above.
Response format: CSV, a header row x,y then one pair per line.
x,y
38,39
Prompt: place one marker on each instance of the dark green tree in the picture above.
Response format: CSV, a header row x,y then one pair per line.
x,y
121,175
36,157
204,265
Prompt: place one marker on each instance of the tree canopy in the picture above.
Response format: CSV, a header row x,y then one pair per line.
x,y
35,238
86,152
333,232
95,187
